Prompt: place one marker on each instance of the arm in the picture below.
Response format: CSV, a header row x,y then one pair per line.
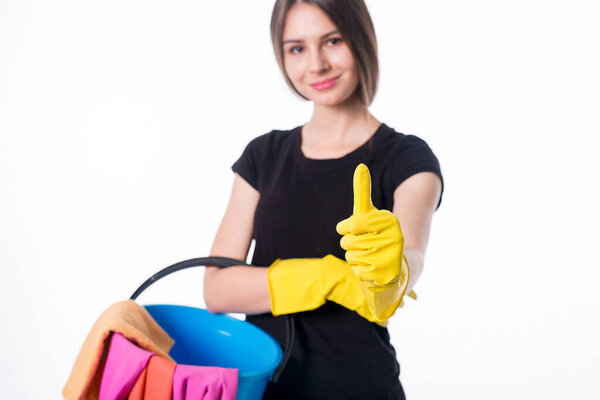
x,y
288,286
237,289
415,201
375,244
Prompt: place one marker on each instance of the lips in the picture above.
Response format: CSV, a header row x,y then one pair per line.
x,y
324,84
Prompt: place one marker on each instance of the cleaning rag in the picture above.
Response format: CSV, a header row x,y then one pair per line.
x,y
134,323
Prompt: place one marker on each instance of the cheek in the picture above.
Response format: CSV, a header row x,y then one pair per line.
x,y
345,59
353,68
293,68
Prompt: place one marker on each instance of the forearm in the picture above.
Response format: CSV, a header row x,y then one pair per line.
x,y
239,289
414,257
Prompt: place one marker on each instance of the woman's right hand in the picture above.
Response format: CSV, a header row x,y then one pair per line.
x,y
304,284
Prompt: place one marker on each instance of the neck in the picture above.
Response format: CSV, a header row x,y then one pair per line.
x,y
350,121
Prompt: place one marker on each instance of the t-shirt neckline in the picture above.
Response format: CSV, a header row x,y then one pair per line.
x,y
354,157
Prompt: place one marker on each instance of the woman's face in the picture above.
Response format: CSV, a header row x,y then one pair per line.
x,y
316,58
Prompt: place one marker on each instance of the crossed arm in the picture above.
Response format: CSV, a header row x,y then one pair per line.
x,y
245,289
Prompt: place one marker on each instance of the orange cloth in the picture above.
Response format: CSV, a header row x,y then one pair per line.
x,y
137,392
132,321
155,382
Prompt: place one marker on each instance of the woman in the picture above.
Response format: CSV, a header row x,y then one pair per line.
x,y
292,188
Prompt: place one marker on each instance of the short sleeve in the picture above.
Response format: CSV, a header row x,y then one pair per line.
x,y
413,156
246,165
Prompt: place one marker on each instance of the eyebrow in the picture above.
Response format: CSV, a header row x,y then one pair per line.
x,y
300,41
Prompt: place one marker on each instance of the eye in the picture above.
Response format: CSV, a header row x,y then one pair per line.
x,y
334,41
295,49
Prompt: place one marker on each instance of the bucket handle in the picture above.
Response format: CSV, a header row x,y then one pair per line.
x,y
221,262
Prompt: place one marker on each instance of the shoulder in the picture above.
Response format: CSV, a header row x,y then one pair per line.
x,y
271,141
263,153
393,142
405,152
402,156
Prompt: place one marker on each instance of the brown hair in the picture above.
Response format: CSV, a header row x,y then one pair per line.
x,y
353,21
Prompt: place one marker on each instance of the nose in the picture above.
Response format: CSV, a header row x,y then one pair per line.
x,y
318,62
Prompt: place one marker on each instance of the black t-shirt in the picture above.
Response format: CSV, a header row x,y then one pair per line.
x,y
337,354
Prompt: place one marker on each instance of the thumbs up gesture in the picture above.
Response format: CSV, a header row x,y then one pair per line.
x,y
374,248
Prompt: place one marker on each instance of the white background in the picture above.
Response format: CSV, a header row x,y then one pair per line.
x,y
119,121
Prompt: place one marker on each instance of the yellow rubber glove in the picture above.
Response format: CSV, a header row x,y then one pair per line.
x,y
303,284
374,248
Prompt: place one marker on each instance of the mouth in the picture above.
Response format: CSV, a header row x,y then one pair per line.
x,y
324,84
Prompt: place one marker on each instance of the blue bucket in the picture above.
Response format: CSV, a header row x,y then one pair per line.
x,y
206,339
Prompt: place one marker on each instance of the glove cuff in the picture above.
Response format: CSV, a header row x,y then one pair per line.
x,y
294,286
383,300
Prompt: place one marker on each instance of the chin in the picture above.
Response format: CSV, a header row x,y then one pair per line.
x,y
327,99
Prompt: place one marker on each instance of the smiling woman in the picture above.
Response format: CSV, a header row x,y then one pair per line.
x,y
117,119
293,187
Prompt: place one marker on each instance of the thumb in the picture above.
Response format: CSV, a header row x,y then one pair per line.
x,y
362,190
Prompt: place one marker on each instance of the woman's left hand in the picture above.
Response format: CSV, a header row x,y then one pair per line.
x,y
374,247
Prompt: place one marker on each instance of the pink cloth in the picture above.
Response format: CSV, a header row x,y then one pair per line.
x,y
125,362
192,382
